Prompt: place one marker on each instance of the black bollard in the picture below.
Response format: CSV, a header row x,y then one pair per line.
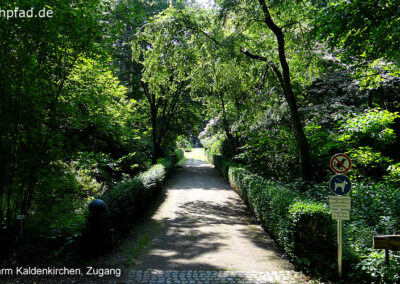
x,y
98,235
98,208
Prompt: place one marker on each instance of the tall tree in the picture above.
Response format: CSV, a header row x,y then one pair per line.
x,y
165,54
283,76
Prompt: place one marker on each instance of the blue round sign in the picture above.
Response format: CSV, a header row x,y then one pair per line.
x,y
340,185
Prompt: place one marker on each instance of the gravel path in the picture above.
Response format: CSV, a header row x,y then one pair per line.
x,y
206,229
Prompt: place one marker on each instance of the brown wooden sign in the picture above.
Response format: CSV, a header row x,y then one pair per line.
x,y
391,242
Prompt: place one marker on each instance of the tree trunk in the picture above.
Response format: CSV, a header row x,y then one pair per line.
x,y
228,132
156,153
154,135
301,139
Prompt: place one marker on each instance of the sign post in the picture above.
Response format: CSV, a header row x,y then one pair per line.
x,y
21,219
340,204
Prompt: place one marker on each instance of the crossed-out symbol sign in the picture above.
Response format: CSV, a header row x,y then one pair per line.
x,y
340,163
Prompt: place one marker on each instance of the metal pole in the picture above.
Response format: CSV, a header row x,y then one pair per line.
x,y
340,243
21,227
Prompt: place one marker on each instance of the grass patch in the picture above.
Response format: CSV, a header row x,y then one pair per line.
x,y
181,162
134,252
196,154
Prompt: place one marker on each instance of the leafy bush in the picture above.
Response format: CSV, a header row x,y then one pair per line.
x,y
58,212
270,152
168,163
322,146
126,199
214,139
301,222
214,144
182,142
49,232
393,176
368,163
314,236
240,179
370,128
105,169
374,211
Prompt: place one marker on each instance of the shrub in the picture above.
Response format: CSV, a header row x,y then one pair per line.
x,y
370,128
181,141
58,212
104,169
393,175
374,211
126,200
314,236
238,178
123,202
168,163
368,163
270,152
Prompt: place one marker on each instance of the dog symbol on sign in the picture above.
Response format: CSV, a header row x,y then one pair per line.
x,y
340,184
341,164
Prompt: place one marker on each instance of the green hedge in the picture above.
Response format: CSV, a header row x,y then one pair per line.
x,y
127,199
179,155
220,162
302,227
125,202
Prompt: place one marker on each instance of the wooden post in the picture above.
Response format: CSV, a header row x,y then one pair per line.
x,y
387,242
387,256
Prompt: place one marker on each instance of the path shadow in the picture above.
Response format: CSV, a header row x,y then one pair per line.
x,y
191,231
191,234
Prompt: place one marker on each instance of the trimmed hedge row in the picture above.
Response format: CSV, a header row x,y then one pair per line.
x,y
302,227
179,154
125,202
221,163
127,199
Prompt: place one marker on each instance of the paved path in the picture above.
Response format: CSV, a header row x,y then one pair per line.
x,y
206,235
